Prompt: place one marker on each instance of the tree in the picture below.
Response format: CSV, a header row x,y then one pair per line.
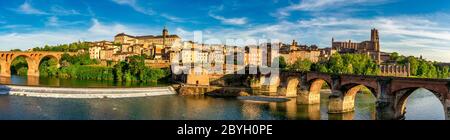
x,y
301,65
282,62
394,56
336,64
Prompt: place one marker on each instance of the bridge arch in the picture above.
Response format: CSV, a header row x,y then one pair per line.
x,y
345,102
292,86
13,57
312,93
404,94
33,59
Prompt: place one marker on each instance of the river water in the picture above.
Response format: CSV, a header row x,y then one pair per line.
x,y
422,104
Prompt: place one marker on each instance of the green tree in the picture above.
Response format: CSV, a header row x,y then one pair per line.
x,y
301,65
282,62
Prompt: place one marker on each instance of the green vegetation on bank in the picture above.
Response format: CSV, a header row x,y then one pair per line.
x,y
72,47
339,64
81,67
421,67
360,64
19,66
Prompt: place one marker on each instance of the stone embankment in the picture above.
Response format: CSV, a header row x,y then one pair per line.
x,y
57,92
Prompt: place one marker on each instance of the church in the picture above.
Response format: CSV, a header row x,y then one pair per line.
x,y
156,47
371,47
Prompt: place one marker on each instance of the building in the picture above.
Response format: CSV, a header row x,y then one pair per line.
x,y
122,56
94,52
371,47
313,53
158,46
107,54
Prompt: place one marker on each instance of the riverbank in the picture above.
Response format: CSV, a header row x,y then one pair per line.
x,y
83,93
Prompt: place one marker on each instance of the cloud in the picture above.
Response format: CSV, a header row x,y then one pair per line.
x,y
322,5
147,11
230,21
58,10
133,4
52,21
172,18
408,35
27,8
97,31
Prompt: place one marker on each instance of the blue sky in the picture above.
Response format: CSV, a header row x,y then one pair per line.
x,y
410,27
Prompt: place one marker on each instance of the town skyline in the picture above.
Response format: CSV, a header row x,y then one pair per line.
x,y
410,32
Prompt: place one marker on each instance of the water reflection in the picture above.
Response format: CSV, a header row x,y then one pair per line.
x,y
424,105
56,82
198,107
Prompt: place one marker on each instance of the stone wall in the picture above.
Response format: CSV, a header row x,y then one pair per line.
x,y
396,70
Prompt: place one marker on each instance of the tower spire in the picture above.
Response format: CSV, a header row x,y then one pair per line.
x,y
165,32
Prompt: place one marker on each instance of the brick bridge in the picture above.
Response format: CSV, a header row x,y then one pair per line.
x,y
391,92
33,60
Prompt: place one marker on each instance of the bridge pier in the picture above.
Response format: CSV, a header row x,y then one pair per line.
x,y
387,105
312,111
305,97
5,70
338,104
33,69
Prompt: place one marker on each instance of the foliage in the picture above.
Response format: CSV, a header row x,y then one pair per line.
x,y
48,67
339,64
135,70
282,62
19,66
72,47
80,59
301,65
423,68
80,67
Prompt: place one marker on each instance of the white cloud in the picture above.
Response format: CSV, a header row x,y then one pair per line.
x,y
133,4
321,5
408,35
27,8
52,21
230,21
172,18
97,31
58,10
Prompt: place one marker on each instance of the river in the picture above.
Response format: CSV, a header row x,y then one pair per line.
x,y
421,105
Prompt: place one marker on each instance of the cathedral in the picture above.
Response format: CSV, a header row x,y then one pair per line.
x,y
157,47
371,47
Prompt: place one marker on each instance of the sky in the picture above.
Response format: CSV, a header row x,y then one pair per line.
x,y
410,27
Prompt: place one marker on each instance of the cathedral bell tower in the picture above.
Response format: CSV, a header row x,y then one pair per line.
x,y
165,32
374,38
166,48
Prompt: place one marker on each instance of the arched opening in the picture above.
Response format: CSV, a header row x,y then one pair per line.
x,y
320,90
420,104
48,66
19,66
317,92
18,70
313,100
356,102
362,100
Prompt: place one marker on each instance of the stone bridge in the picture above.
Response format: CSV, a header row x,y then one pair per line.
x,y
33,59
391,92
